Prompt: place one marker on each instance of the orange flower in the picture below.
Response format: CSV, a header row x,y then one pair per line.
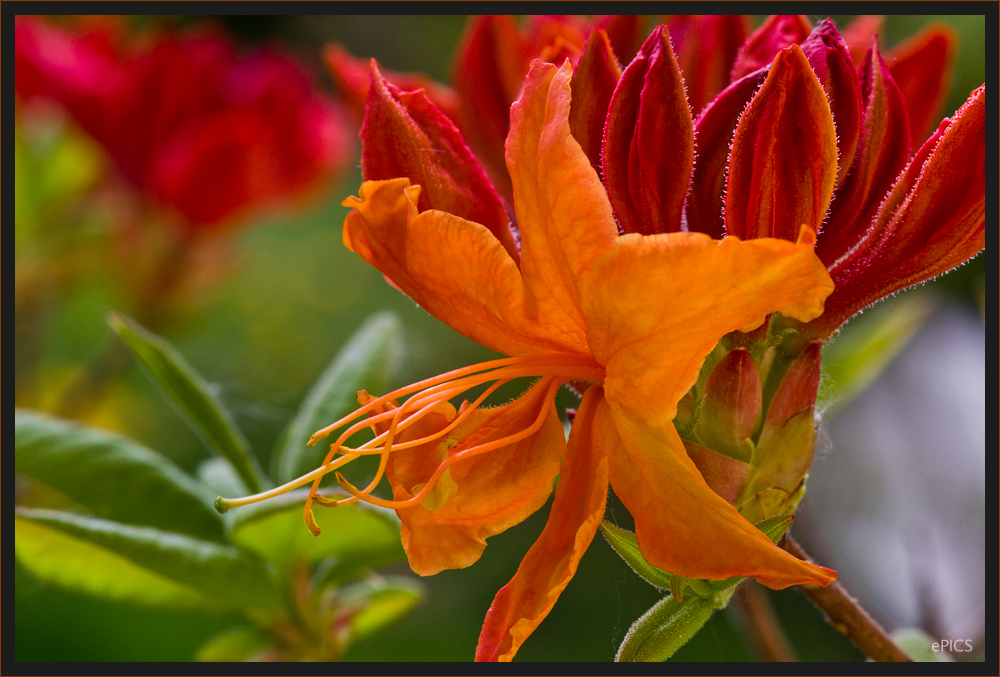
x,y
629,319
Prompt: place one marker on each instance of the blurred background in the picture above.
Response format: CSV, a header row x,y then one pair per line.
x,y
896,499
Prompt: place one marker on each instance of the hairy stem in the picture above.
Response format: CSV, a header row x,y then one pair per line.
x,y
845,614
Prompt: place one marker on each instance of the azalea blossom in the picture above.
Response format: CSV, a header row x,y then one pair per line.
x,y
617,267
630,319
186,121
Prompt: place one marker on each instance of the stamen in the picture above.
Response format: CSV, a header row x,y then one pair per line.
x,y
224,504
425,397
407,445
460,456
551,358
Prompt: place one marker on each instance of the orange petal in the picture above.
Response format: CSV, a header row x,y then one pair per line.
x,y
783,162
682,526
546,570
472,284
405,134
563,213
656,306
921,67
482,496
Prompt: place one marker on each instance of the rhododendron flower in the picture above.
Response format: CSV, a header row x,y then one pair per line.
x,y
629,319
625,256
187,121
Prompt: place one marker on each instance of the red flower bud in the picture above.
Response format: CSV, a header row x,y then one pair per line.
x,y
593,84
714,131
649,113
350,76
831,62
405,134
921,67
185,120
706,47
882,153
775,34
783,162
932,220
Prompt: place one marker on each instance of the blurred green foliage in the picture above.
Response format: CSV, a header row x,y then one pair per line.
x,y
262,339
102,515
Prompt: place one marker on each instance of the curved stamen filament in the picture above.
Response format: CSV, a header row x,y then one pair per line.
x,y
583,365
425,397
387,449
224,504
460,456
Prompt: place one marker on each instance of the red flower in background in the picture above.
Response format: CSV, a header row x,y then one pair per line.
x,y
186,120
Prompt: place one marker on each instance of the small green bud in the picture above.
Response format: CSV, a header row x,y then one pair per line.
x,y
731,406
781,466
665,628
796,392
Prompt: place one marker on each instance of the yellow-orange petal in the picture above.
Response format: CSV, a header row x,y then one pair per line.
x,y
482,496
563,212
656,306
456,270
682,526
577,510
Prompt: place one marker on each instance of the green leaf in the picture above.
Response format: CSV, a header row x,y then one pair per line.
x,y
220,572
625,544
382,601
360,536
868,344
115,477
191,395
775,527
664,628
234,644
60,559
365,363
